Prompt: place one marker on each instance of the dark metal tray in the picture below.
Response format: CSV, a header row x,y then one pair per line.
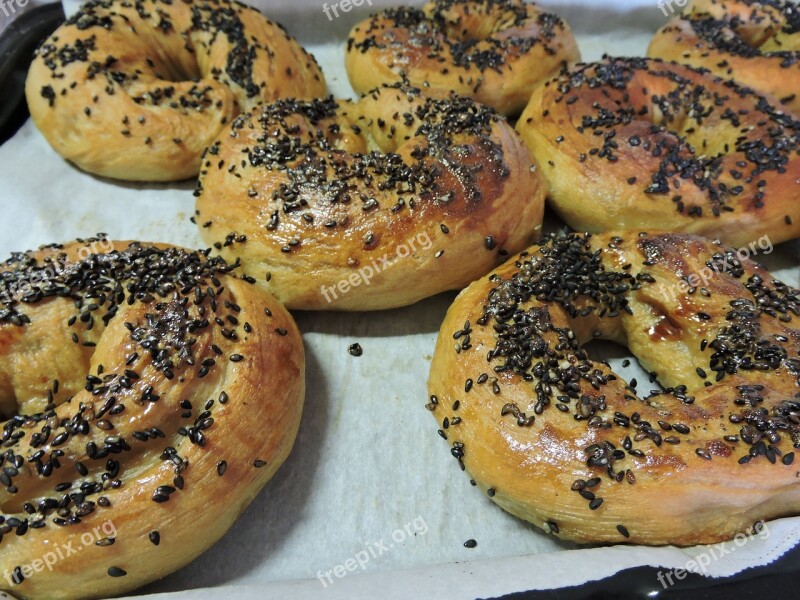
x,y
17,44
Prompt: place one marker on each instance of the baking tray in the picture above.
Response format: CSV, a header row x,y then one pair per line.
x,y
780,579
17,44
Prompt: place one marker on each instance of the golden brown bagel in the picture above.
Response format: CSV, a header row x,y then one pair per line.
x,y
561,441
494,51
137,90
371,204
755,43
642,144
147,394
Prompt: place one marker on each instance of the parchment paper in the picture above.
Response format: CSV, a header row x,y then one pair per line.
x,y
367,462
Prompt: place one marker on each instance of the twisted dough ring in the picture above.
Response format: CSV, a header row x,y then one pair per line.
x,y
755,43
494,51
137,90
397,195
149,394
560,440
639,143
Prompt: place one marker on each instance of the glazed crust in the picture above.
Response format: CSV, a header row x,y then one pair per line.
x,y
755,43
398,196
640,143
136,91
538,419
494,51
164,424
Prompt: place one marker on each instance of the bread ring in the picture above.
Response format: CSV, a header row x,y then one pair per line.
x,y
755,43
558,439
137,90
494,51
643,144
148,396
406,195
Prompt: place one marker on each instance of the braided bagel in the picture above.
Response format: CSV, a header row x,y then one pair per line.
x,y
755,43
148,394
494,51
643,144
561,441
137,90
406,195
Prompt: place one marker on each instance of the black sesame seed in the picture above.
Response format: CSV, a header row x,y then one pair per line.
x,y
578,485
702,453
105,542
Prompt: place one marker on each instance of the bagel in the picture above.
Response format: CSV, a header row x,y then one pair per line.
x,y
755,43
560,440
494,51
368,205
148,394
644,144
137,90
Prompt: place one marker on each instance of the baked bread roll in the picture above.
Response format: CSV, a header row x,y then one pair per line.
x,y
755,43
137,421
368,205
136,91
493,51
558,439
634,143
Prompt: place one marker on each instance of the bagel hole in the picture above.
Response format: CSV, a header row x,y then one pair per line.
x,y
52,388
8,405
456,33
758,32
623,363
474,28
705,138
755,38
175,71
33,404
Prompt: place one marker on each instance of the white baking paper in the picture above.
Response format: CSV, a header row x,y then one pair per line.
x,y
368,474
